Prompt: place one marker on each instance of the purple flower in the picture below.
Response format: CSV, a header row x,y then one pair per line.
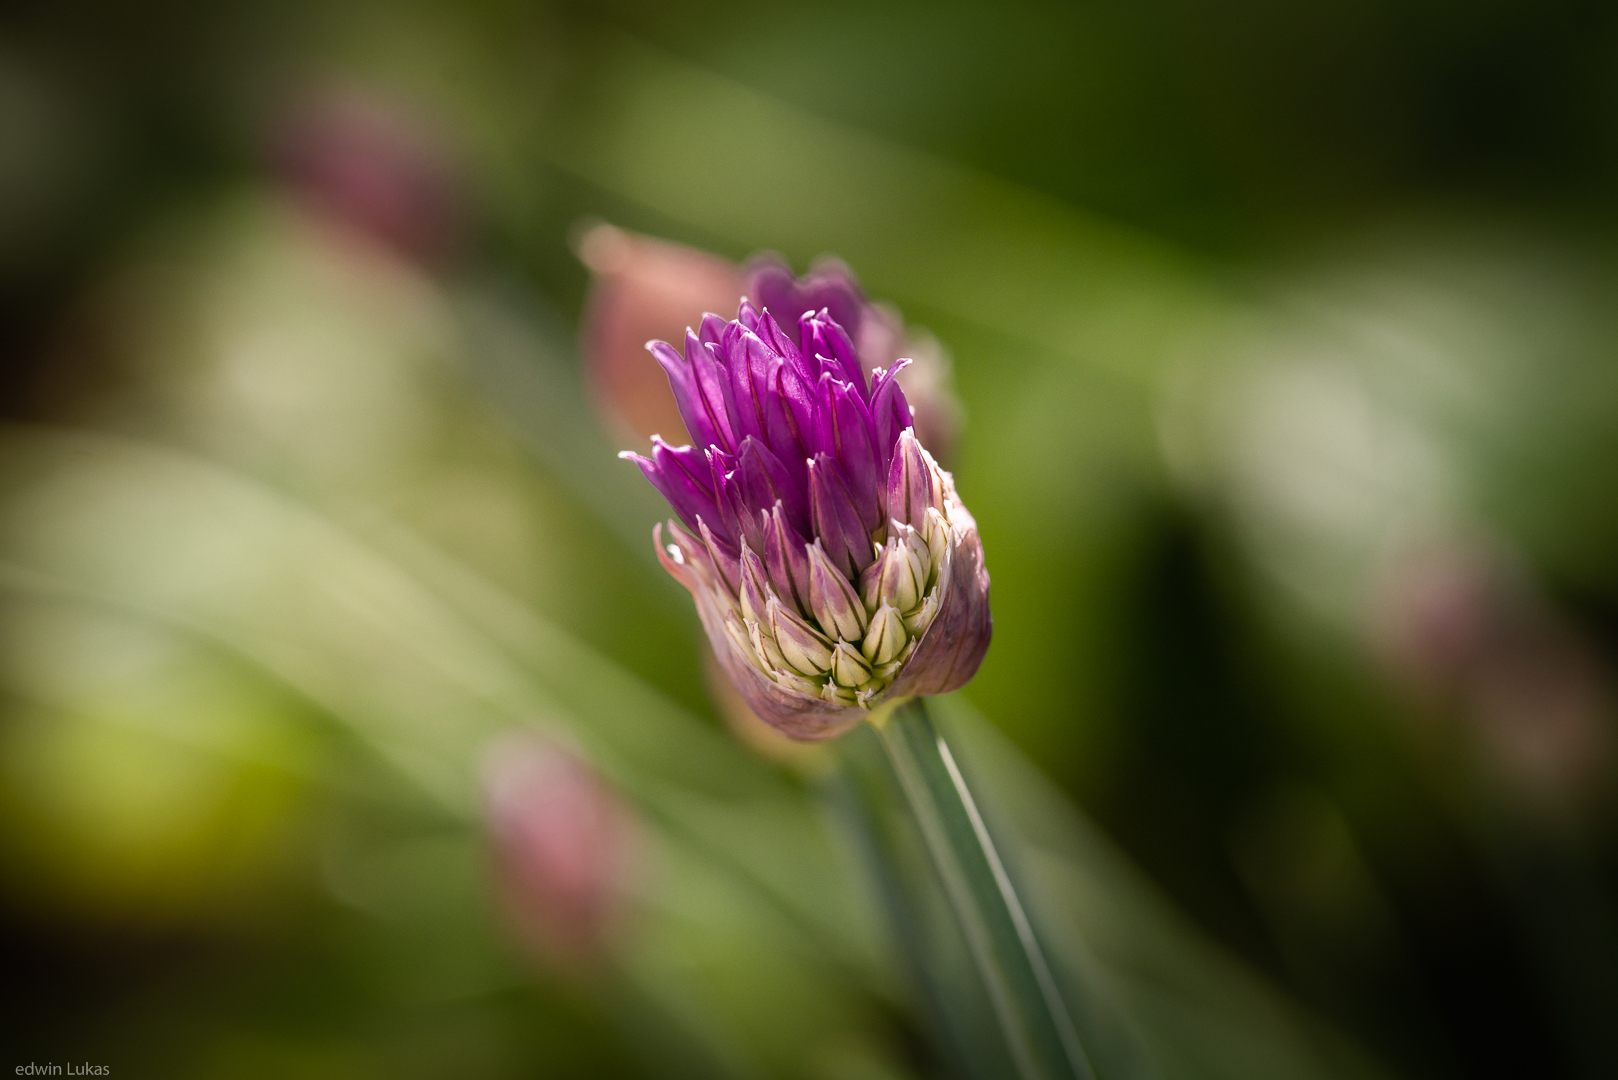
x,y
833,566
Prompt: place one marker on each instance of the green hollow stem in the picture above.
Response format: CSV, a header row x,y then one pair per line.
x,y
1028,1006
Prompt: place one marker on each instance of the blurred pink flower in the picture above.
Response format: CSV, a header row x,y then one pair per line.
x,y
1472,638
563,844
373,166
644,288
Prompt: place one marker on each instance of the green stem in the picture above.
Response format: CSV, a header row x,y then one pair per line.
x,y
1028,1006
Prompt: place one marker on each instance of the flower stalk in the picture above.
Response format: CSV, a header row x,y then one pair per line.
x,y
840,579
1028,1006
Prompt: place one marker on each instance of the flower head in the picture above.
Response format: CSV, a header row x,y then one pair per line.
x,y
832,563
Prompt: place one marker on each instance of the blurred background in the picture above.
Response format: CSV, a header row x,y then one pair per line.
x,y
351,729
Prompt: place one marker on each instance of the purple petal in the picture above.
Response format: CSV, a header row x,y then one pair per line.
x,y
830,286
835,290
912,483
798,399
690,461
725,361
823,337
781,430
727,494
669,470
725,558
712,330
890,412
785,559
708,374
836,521
766,481
776,288
696,390
854,448
750,369
748,526
776,338
729,335
687,396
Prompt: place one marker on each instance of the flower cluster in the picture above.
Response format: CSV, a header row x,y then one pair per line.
x,y
833,566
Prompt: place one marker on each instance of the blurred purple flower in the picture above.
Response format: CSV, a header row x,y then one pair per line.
x,y
562,842
833,566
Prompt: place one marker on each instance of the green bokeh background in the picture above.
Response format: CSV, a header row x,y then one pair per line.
x,y
1240,299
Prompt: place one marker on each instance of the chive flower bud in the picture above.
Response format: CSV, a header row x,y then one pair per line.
x,y
833,565
643,287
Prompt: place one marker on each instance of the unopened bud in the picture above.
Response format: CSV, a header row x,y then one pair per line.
x,y
835,603
806,651
887,636
644,289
